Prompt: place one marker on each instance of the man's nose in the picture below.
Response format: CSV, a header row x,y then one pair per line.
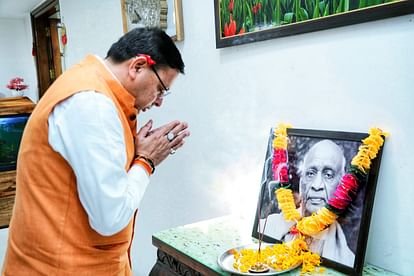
x,y
317,183
158,101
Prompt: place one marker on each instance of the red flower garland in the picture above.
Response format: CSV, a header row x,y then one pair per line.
x,y
345,192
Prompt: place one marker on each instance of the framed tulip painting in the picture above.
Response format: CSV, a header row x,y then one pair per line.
x,y
318,187
244,21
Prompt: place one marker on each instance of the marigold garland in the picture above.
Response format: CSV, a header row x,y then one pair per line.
x,y
287,203
279,257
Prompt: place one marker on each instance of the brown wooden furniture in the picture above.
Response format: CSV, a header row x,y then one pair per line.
x,y
7,193
9,106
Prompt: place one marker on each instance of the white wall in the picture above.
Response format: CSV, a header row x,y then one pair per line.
x,y
91,26
16,58
348,79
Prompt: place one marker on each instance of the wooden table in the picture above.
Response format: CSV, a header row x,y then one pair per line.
x,y
194,249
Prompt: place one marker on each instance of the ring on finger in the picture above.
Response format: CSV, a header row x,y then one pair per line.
x,y
170,136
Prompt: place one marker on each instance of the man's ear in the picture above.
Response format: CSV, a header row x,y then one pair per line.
x,y
135,65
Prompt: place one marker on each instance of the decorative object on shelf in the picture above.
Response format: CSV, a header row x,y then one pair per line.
x,y
165,14
320,185
17,86
244,21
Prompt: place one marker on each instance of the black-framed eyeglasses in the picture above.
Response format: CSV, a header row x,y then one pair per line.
x,y
166,91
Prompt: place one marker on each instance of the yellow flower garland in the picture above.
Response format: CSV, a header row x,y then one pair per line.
x,y
279,257
369,149
287,203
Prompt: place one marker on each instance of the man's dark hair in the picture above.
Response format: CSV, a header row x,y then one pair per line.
x,y
150,41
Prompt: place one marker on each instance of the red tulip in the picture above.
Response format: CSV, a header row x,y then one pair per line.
x,y
256,8
230,29
231,5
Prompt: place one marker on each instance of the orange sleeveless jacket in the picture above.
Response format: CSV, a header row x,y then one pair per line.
x,y
49,232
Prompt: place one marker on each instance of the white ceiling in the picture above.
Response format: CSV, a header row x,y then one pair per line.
x,y
17,8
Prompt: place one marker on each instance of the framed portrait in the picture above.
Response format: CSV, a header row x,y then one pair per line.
x,y
244,21
165,14
317,160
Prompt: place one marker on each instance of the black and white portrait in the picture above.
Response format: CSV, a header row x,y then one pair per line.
x,y
317,161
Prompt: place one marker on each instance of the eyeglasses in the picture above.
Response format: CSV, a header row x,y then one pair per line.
x,y
165,91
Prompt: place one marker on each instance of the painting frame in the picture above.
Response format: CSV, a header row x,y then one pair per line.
x,y
355,222
175,18
360,15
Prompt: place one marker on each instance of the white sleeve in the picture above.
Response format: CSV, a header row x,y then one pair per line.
x,y
86,130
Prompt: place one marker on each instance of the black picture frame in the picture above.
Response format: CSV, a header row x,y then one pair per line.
x,y
267,28
355,221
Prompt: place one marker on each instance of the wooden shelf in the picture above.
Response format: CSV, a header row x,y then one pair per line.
x,y
16,105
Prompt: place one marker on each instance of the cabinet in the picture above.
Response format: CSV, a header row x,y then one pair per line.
x,y
10,106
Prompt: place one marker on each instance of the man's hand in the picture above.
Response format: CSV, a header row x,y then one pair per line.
x,y
155,145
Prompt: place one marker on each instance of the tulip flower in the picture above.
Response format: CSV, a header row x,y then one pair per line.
x,y
231,6
230,29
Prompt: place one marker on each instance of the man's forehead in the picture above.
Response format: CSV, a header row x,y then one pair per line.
x,y
324,153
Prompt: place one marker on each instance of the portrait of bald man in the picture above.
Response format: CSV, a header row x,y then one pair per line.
x,y
316,167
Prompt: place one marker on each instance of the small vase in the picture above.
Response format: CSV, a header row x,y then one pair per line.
x,y
17,93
